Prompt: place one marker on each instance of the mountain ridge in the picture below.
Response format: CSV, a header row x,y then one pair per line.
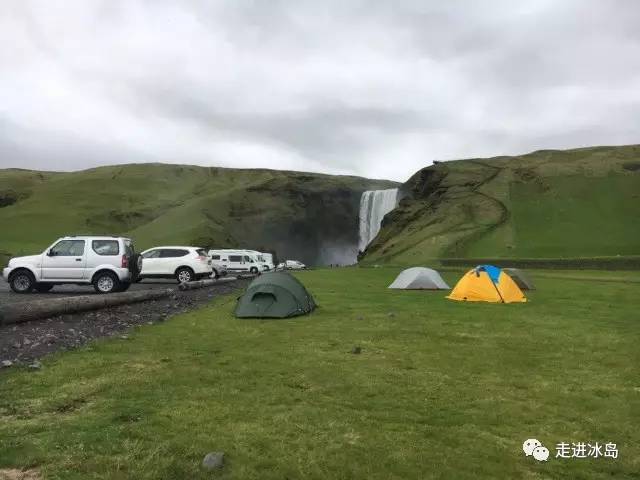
x,y
535,205
175,204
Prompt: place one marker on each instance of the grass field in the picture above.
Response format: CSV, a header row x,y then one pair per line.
x,y
441,389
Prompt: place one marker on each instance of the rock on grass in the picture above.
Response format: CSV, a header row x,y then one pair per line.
x,y
213,460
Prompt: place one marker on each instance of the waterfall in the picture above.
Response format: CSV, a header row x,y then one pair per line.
x,y
374,205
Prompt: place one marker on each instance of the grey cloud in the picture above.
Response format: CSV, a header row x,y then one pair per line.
x,y
360,87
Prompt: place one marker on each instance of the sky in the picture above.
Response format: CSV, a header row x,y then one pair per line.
x,y
372,88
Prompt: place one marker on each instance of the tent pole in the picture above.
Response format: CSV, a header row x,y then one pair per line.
x,y
496,287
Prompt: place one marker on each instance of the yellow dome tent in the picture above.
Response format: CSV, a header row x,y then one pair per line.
x,y
487,283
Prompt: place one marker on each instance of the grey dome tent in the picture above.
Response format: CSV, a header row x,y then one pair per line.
x,y
419,278
275,295
522,279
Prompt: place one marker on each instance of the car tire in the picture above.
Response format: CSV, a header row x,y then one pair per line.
x,y
43,287
215,274
106,282
22,281
254,270
185,274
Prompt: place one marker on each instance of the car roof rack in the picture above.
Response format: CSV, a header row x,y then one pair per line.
x,y
95,235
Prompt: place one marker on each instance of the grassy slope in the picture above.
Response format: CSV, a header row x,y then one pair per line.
x,y
571,203
441,390
161,204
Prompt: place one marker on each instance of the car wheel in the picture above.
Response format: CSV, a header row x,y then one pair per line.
x,y
185,274
124,286
43,287
106,282
215,274
22,281
254,270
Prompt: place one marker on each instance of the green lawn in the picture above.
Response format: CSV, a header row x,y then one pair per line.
x,y
441,389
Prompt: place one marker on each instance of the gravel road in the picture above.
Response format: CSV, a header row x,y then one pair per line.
x,y
7,296
26,342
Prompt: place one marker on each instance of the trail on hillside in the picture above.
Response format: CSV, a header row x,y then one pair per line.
x,y
458,247
462,225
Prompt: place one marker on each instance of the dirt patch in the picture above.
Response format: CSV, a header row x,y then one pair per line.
x,y
25,342
15,474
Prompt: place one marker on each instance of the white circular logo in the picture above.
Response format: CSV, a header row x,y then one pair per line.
x,y
529,445
541,454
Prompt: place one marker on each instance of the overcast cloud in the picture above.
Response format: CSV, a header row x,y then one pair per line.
x,y
372,88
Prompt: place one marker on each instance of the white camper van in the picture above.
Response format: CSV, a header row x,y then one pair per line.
x,y
236,261
268,260
260,257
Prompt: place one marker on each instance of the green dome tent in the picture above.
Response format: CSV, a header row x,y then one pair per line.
x,y
275,295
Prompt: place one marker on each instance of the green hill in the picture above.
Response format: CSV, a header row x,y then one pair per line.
x,y
573,203
311,217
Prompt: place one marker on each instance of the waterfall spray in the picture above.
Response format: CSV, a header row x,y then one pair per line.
x,y
374,205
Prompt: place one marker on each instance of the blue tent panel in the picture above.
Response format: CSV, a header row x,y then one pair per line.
x,y
493,272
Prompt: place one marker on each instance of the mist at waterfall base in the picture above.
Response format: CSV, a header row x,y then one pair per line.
x,y
374,205
325,237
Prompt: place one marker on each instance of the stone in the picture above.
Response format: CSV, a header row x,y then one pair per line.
x,y
357,350
6,363
35,365
392,315
26,341
213,460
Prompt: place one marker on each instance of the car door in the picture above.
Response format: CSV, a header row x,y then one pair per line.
x,y
151,262
249,263
235,263
171,260
66,260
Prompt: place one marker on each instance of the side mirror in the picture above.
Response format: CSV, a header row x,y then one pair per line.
x,y
50,253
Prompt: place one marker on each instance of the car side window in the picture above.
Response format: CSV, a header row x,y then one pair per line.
x,y
235,258
215,257
247,259
68,248
106,247
152,254
172,253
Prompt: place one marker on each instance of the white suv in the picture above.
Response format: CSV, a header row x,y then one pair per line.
x,y
108,263
185,264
